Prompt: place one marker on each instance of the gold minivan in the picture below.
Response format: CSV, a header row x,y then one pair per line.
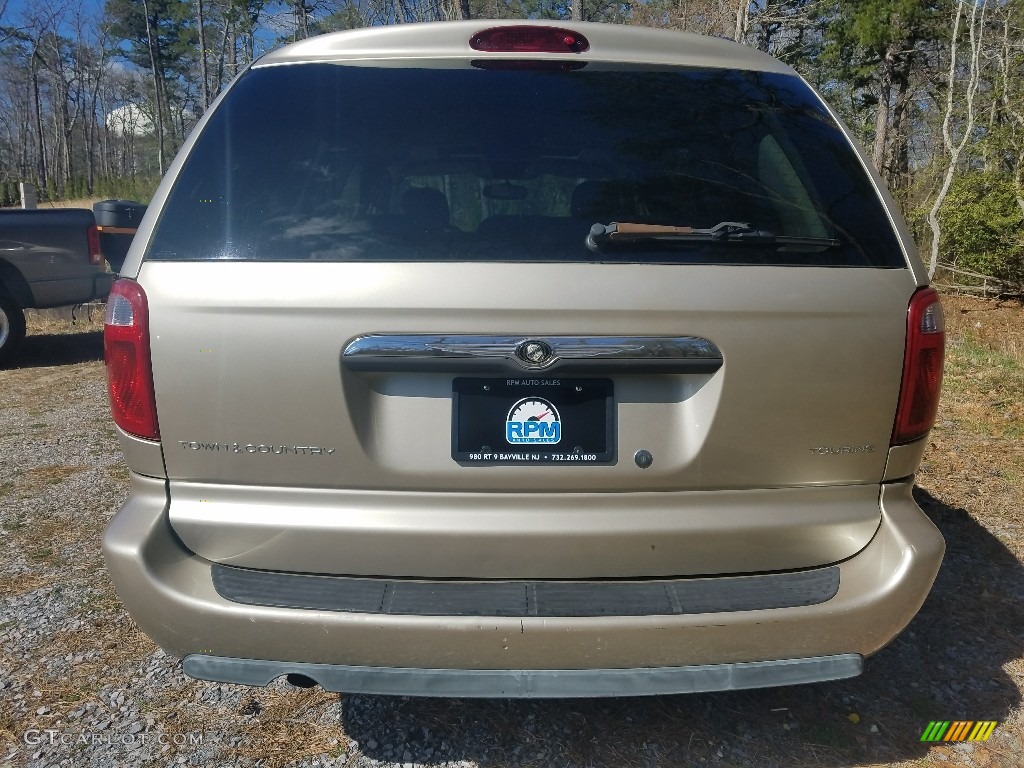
x,y
518,359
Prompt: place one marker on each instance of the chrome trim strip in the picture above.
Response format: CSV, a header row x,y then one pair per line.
x,y
498,354
531,683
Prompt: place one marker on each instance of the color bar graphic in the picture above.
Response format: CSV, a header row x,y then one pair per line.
x,y
959,730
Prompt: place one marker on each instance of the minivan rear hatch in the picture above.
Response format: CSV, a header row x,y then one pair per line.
x,y
451,320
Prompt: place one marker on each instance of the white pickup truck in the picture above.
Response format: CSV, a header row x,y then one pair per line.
x,y
48,258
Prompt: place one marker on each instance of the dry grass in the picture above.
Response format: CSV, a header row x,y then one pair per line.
x,y
19,584
287,726
85,202
994,324
276,726
63,320
54,535
51,474
976,455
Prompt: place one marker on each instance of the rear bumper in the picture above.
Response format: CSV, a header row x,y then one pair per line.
x,y
532,683
101,285
170,592
66,292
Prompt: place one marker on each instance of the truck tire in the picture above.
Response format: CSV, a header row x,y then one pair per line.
x,y
12,328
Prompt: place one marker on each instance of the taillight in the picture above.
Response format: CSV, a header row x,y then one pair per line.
x,y
922,368
129,370
524,39
92,235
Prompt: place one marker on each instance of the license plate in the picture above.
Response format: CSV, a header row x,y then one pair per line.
x,y
532,421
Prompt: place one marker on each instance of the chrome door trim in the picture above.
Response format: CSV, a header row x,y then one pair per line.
x,y
464,353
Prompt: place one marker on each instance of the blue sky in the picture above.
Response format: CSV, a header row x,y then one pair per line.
x,y
16,9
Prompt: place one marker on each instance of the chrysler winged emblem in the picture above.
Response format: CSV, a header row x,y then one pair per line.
x,y
533,352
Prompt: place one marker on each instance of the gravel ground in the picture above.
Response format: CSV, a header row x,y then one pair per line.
x,y
80,685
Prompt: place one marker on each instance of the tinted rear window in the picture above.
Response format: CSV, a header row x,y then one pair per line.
x,y
343,163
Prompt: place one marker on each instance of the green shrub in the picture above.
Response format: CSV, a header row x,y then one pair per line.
x,y
139,188
983,226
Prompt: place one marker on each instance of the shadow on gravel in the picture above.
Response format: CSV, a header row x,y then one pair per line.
x,y
49,349
947,665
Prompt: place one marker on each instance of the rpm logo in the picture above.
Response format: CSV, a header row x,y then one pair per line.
x,y
533,421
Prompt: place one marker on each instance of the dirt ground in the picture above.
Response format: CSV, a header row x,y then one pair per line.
x,y
962,658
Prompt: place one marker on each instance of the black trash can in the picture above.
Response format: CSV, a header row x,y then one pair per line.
x,y
117,222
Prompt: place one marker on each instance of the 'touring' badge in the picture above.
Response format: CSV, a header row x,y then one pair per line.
x,y
533,421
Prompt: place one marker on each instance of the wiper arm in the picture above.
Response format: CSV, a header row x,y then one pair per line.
x,y
725,231
629,231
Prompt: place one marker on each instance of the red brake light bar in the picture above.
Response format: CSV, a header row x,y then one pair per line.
x,y
524,39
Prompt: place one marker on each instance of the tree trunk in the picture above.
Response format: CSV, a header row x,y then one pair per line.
x,y
157,89
234,52
222,53
301,19
93,128
883,116
897,157
67,139
204,69
40,141
742,20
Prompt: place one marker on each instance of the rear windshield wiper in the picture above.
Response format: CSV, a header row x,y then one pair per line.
x,y
723,232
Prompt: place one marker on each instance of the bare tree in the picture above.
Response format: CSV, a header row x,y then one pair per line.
x,y
5,34
151,35
954,148
204,68
1009,96
742,20
301,11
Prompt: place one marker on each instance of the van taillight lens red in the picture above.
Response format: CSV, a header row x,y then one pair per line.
x,y
92,234
129,370
524,39
922,368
